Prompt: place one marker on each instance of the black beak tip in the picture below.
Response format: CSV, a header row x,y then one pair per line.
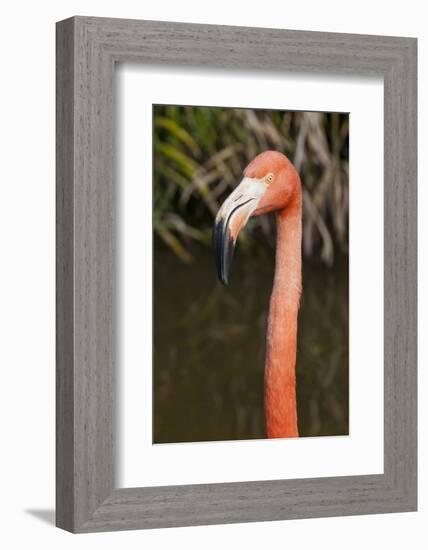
x,y
223,251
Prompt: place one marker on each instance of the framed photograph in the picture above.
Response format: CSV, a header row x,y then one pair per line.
x,y
236,274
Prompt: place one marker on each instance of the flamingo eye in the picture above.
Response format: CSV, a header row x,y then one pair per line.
x,y
269,178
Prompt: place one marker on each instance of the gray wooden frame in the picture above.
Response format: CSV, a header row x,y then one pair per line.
x,y
87,50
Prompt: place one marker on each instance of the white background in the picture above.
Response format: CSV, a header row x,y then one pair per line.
x,y
27,273
362,451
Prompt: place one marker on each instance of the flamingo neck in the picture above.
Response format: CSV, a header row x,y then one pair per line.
x,y
280,362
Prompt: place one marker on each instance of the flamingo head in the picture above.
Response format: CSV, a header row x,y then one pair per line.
x,y
270,182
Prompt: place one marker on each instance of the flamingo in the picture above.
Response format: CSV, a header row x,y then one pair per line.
x,y
271,184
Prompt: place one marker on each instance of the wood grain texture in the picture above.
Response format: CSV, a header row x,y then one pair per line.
x,y
87,50
64,278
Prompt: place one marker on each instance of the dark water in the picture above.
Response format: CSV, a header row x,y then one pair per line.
x,y
209,348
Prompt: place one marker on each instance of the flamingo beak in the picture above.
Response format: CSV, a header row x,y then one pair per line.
x,y
231,218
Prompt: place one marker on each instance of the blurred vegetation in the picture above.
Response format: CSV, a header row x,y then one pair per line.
x,y
199,156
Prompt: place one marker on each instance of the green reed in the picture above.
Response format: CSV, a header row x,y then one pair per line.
x,y
199,156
